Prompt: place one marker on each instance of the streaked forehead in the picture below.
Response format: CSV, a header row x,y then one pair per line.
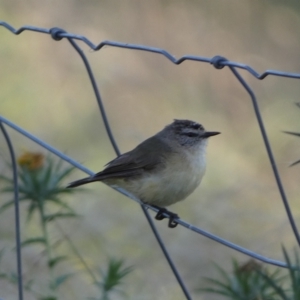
x,y
181,124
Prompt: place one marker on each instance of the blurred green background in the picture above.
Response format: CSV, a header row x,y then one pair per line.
x,y
45,89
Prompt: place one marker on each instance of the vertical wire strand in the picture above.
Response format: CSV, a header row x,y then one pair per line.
x,y
269,152
97,94
166,254
114,144
17,210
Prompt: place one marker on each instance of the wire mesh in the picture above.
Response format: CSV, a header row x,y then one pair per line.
x,y
218,62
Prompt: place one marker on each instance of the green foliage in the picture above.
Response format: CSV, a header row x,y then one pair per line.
x,y
245,283
36,240
54,261
40,187
252,281
111,278
60,280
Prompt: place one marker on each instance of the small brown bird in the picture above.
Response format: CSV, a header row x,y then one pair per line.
x,y
163,169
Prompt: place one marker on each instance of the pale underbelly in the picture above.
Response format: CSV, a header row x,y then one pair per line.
x,y
162,189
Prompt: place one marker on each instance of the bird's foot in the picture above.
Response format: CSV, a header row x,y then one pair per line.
x,y
172,216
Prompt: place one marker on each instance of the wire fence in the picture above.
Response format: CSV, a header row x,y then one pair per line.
x,y
218,62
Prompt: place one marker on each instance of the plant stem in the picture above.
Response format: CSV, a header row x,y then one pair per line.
x,y
47,244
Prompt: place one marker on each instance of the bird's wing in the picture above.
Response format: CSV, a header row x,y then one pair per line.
x,y
145,157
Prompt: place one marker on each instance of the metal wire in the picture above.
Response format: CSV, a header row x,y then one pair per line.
x,y
17,210
270,153
218,62
116,148
179,221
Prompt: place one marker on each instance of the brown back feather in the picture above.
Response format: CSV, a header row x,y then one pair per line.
x,y
146,156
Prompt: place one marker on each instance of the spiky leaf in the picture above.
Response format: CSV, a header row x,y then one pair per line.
x,y
36,240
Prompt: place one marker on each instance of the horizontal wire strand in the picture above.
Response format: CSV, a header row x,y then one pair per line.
x,y
125,193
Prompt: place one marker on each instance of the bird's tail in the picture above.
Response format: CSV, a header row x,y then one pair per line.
x,y
82,181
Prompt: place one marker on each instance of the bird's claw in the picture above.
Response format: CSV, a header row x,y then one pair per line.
x,y
172,216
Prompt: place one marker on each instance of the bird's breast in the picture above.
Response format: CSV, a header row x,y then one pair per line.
x,y
181,174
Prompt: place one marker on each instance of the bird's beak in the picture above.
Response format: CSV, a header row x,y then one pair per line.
x,y
210,133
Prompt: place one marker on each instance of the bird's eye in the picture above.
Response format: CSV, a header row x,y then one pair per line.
x,y
191,134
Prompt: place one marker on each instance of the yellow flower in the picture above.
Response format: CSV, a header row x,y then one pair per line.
x,y
31,160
